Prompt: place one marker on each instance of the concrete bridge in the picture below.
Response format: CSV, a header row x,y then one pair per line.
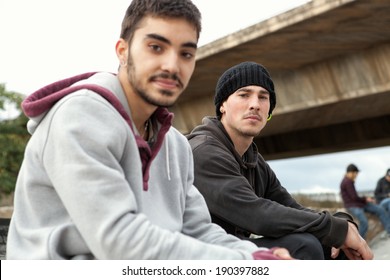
x,y
330,61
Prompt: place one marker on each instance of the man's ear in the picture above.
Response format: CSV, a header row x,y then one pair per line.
x,y
121,49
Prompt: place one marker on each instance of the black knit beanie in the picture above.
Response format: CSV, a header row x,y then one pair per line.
x,y
242,75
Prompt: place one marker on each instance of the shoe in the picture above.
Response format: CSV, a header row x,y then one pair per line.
x,y
385,235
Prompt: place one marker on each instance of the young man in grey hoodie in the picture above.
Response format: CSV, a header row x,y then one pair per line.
x,y
243,193
105,176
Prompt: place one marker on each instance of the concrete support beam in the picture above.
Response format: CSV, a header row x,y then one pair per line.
x,y
330,61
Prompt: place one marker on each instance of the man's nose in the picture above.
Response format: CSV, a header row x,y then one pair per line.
x,y
254,103
171,63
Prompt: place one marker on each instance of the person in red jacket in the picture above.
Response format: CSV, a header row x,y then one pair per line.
x,y
358,205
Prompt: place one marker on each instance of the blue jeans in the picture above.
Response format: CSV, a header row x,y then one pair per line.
x,y
385,204
373,209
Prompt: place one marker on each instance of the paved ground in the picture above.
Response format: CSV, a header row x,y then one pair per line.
x,y
380,248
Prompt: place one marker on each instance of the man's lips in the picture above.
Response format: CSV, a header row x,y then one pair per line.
x,y
167,83
253,117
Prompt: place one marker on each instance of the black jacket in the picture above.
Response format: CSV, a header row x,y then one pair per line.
x,y
244,195
382,189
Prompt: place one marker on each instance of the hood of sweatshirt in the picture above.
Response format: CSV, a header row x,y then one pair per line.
x,y
36,105
212,127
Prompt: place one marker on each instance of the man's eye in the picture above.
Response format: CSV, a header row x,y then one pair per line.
x,y
187,55
156,48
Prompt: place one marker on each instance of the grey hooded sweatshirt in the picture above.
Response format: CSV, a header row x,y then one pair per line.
x,y
91,188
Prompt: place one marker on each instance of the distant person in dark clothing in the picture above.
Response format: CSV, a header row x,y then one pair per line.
x,y
358,205
382,191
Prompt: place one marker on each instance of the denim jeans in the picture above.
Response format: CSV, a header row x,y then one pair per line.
x,y
385,204
373,209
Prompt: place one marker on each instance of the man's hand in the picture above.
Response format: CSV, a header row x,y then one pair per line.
x,y
355,247
275,253
283,254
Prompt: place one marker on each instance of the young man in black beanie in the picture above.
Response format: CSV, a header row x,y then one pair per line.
x,y
242,192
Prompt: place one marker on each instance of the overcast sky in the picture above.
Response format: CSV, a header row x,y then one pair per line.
x,y
323,173
46,40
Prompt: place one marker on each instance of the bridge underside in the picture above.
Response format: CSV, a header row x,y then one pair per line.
x,y
327,138
330,61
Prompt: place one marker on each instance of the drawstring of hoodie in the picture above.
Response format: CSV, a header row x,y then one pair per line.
x,y
165,118
167,159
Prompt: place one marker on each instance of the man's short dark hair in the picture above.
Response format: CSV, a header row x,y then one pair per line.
x,y
139,9
352,168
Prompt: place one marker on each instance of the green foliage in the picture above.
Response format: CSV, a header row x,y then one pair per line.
x,y
9,96
13,139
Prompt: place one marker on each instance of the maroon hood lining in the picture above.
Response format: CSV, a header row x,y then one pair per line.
x,y
44,99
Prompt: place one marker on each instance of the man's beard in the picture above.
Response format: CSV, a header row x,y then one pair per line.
x,y
249,133
143,94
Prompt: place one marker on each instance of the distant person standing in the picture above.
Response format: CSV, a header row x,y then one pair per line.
x,y
358,205
382,191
